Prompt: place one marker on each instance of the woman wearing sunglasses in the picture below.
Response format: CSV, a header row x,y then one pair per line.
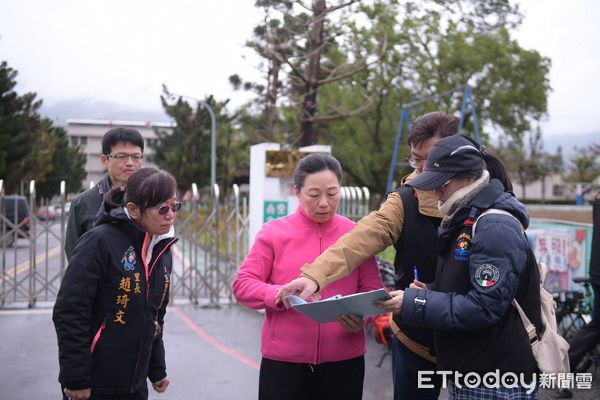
x,y
110,307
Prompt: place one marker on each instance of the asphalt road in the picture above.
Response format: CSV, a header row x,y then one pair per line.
x,y
211,354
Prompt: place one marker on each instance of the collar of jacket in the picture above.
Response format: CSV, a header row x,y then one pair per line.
x,y
309,222
118,215
463,196
428,201
155,238
483,200
105,184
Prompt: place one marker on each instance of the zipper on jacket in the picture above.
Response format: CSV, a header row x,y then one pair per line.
x,y
320,239
154,261
144,250
145,264
162,300
147,238
167,247
317,348
137,361
97,335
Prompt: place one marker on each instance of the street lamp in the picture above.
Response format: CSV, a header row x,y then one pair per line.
x,y
213,138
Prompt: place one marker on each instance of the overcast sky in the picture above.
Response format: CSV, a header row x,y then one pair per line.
x,y
123,51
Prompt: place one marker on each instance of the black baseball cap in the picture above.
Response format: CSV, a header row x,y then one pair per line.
x,y
447,158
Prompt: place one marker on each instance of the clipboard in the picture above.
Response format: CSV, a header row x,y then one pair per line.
x,y
327,310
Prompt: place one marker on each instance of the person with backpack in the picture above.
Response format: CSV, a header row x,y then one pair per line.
x,y
469,306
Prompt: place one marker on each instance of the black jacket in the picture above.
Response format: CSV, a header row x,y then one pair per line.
x,y
476,327
83,213
108,316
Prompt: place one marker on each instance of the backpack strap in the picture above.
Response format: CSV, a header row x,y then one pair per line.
x,y
495,211
529,327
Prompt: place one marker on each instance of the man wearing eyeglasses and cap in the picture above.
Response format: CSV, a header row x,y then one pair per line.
x,y
409,220
122,155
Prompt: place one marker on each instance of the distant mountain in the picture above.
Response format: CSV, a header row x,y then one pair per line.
x,y
90,109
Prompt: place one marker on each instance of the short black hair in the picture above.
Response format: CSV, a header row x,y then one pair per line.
x,y
146,188
436,123
313,163
124,135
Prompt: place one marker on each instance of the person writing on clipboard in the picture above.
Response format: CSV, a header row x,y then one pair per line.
x,y
302,359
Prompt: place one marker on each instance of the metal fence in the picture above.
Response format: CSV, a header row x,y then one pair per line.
x,y
32,262
213,240
354,202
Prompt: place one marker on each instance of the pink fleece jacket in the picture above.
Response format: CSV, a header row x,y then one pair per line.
x,y
281,247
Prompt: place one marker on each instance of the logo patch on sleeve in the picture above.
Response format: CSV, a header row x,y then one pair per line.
x,y
487,275
129,259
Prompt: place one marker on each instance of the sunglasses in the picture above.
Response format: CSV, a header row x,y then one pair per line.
x,y
163,210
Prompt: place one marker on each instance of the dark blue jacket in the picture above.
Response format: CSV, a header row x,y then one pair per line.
x,y
108,316
476,327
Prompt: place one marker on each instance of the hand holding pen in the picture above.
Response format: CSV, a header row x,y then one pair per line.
x,y
417,284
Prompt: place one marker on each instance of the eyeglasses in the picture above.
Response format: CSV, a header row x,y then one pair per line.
x,y
163,210
414,162
123,157
441,188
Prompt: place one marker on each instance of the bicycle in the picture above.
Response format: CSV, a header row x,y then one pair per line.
x,y
573,312
592,358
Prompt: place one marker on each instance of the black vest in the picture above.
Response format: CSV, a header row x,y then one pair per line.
x,y
416,246
484,350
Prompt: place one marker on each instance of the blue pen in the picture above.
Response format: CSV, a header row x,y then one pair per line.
x,y
415,273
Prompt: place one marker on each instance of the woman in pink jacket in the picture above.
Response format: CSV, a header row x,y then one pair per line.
x,y
301,358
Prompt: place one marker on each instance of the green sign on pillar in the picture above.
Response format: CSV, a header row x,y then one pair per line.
x,y
274,209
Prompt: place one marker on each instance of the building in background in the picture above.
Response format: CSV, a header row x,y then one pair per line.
x,y
555,190
88,133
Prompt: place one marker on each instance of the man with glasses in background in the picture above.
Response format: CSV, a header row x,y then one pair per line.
x,y
122,155
409,220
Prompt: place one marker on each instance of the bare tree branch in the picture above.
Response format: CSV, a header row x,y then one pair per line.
x,y
353,71
342,5
341,114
